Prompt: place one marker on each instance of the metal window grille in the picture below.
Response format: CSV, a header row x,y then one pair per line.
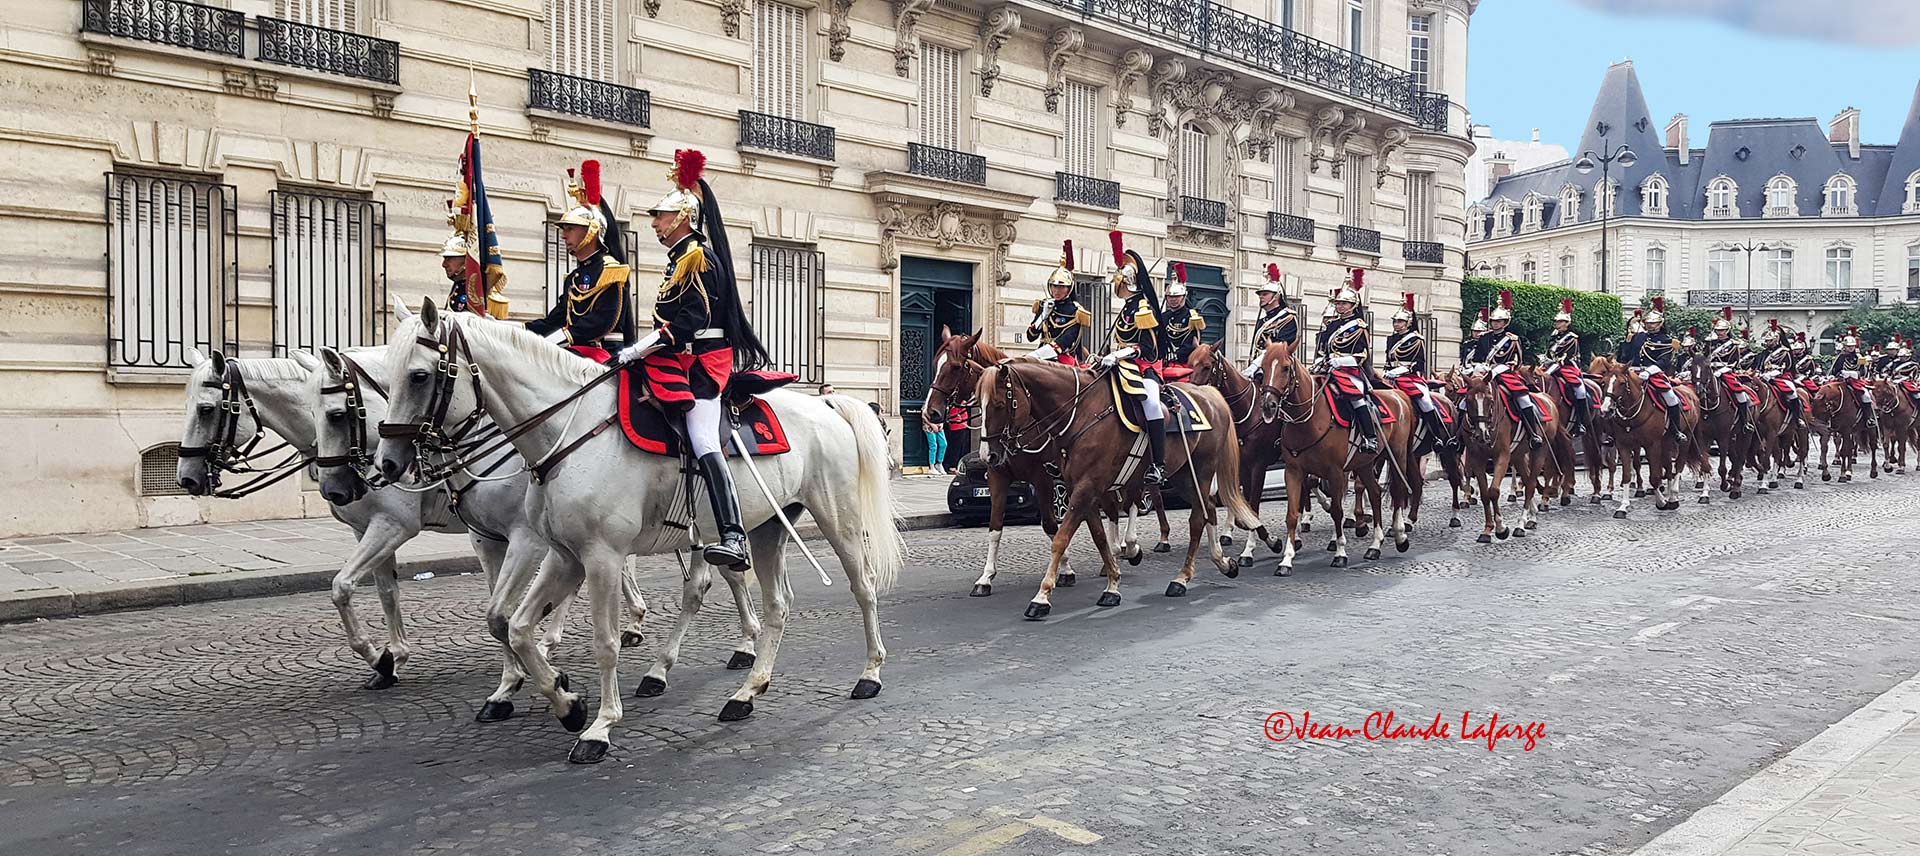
x,y
1195,168
172,269
329,271
779,60
332,14
939,96
786,310
580,38
1287,175
1082,144
1092,292
1359,201
159,471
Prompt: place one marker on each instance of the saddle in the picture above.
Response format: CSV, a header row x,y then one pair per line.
x,y
1506,392
1415,386
1655,384
1184,415
1809,384
1731,380
1342,408
653,431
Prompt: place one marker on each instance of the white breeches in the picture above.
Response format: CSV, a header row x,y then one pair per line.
x,y
1152,408
703,427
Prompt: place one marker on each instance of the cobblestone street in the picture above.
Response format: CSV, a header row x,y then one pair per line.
x,y
1669,658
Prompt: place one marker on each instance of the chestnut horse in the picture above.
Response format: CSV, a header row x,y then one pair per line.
x,y
1255,421
1590,441
1494,436
1837,403
1314,444
1720,423
1030,405
1643,430
1896,422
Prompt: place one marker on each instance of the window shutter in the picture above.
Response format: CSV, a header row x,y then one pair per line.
x,y
779,60
1083,129
1193,162
939,96
580,38
1358,180
332,14
1420,207
1287,182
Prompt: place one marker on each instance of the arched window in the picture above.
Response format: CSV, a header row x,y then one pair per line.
x,y
1656,273
1500,269
1532,209
1913,194
1721,193
1477,222
1569,205
1502,218
159,471
1605,196
1780,193
1653,196
1839,197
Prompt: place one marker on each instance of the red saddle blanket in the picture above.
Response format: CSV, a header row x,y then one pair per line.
x,y
1809,384
1506,392
1859,384
1656,383
1911,387
650,430
1415,386
1344,420
1175,372
1732,382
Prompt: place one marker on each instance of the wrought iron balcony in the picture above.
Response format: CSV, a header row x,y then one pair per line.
x,y
1203,212
1213,30
780,134
594,99
1289,227
168,22
1359,240
1081,190
1421,252
936,162
1836,298
332,51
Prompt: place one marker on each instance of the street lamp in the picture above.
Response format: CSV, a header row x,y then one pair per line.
x,y
1748,248
1604,199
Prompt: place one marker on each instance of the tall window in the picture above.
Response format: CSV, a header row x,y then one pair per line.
x,y
1720,194
786,306
1839,197
939,96
1566,272
1530,216
1600,270
1419,206
1777,268
780,60
1605,194
1653,196
1569,205
170,267
332,14
1502,218
1839,267
1082,144
1287,180
1356,26
1780,192
1913,272
580,38
329,271
1420,50
1195,164
1529,271
1656,275
1283,13
1359,175
1913,194
1720,265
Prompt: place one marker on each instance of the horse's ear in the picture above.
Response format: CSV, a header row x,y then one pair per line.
x,y
219,360
945,333
195,358
429,314
400,309
975,338
336,365
306,359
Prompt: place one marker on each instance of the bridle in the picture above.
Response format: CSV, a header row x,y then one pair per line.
x,y
950,398
225,453
1055,426
354,382
429,434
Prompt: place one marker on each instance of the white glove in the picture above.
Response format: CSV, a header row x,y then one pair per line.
x,y
1119,355
558,337
639,349
1109,360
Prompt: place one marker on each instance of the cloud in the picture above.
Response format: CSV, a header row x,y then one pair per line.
x,y
1869,23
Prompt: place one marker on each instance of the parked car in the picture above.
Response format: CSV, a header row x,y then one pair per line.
x,y
969,501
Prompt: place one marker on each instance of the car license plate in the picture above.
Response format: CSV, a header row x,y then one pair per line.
x,y
980,492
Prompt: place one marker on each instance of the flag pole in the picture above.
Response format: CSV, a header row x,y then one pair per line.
x,y
473,104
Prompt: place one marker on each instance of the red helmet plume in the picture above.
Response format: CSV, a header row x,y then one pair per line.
x,y
590,181
1273,272
1408,300
1066,255
688,164
1358,276
1566,305
1726,312
1180,272
1773,323
1693,331
1483,313
1506,299
1659,304
1119,247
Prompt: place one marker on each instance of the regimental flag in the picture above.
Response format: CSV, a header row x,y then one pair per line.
x,y
486,272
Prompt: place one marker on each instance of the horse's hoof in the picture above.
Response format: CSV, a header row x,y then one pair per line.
x,y
1639,494
1107,600
1673,506
1372,554
1243,562
631,638
735,710
1519,532
576,719
1566,501
1872,473
1333,545
1163,547
1278,545
1283,571
981,590
1484,538
1230,572
1339,561
1454,523
1361,531
651,686
739,660
1401,545
1134,560
1306,526
1296,545
1594,499
588,751
1066,581
1826,476
1176,590
1502,533
494,711
1619,515
1037,611
1226,540
1799,485
1533,524
865,688
382,673
1759,491
1730,495
1606,497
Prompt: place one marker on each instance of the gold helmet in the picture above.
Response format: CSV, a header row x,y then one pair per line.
x,y
456,247
1638,323
1273,284
1330,313
1771,336
1799,342
1178,288
1480,323
1851,340
586,192
1566,310
684,200
1406,308
1351,291
1063,275
1505,311
1659,313
1724,323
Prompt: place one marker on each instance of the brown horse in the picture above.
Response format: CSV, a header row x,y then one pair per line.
x,y
1721,424
1643,431
1029,405
1770,423
1494,436
1590,441
1255,421
1836,404
1313,443
1896,422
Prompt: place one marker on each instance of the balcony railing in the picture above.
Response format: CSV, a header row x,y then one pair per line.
x,y
1214,30
1809,297
594,99
780,134
332,51
936,162
1289,227
1422,252
1081,190
1359,240
1203,212
168,22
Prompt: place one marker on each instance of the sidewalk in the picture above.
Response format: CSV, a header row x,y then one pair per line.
x,y
59,575
1853,789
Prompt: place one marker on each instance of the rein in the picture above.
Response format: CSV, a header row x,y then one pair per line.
x,y
225,455
1294,372
1014,436
359,453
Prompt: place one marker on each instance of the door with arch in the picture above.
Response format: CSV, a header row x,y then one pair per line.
x,y
934,294
1207,293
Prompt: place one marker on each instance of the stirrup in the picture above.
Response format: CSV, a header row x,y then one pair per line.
x,y
1154,476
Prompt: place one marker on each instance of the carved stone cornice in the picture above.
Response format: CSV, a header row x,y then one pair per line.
x,y
1391,143
1354,123
730,17
837,28
1063,44
906,26
1167,73
1201,236
1268,106
999,27
945,225
1134,64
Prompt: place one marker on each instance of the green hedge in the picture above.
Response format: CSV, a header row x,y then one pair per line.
x,y
1596,317
1680,318
1877,325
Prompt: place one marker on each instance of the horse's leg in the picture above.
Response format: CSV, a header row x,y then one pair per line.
x,y
1078,508
767,544
604,566
1160,510
1196,529
1339,545
636,603
996,520
743,653
1379,522
694,584
560,575
1296,500
843,531
498,704
372,554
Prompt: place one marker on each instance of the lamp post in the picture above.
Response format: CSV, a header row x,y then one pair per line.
x,y
1604,199
1748,248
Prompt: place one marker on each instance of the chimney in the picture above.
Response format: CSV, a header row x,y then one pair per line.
x,y
1846,129
1536,135
1498,167
1677,135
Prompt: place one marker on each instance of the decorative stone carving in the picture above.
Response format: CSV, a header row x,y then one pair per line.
x,y
730,17
1355,121
1390,144
837,28
1214,239
653,8
236,80
1134,64
1166,73
383,105
1264,120
1063,44
946,225
995,31
637,144
1324,123
906,24
99,60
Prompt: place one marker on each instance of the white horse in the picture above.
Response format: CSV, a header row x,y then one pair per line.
x,y
602,499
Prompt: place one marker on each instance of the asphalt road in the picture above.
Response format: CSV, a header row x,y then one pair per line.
x,y
1659,661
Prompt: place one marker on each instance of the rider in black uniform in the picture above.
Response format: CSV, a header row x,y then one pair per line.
x,y
1059,324
1180,324
1407,370
1278,322
1655,353
1346,345
1501,351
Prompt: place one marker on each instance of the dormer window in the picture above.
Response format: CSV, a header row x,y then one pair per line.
x,y
1531,211
1721,193
1653,196
1502,219
1780,198
1606,196
1839,202
1913,194
1477,223
1569,205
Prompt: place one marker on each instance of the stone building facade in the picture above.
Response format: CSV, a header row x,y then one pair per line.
x,y
258,175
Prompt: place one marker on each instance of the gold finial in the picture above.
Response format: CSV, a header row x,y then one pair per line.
x,y
473,103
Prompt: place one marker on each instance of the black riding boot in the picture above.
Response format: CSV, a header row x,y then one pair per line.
x,y
731,551
1673,425
1743,412
1157,444
1582,411
1436,432
1364,420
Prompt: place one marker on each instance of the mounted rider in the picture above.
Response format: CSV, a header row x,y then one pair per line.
x,y
1880,359
1654,353
699,331
1905,371
594,305
1182,323
1327,315
1136,351
1347,346
1059,323
1724,361
1278,322
1562,361
1850,367
453,263
1777,367
1501,350
1407,371
1473,336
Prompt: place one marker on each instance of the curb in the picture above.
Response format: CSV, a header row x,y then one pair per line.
x,y
232,585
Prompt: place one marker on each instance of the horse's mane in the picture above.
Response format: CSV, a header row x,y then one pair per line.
x,y
988,353
267,369
527,346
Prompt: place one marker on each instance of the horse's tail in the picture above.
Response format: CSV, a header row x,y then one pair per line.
x,y
883,550
1226,471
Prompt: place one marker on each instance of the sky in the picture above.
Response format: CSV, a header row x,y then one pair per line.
x,y
1538,63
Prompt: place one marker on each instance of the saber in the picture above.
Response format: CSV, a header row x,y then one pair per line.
x,y
775,505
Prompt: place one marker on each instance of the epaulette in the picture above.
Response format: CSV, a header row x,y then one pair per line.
x,y
691,264
1199,321
1038,303
1082,317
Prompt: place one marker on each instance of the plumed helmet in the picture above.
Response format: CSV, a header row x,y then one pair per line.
x,y
1273,284
1063,275
456,247
1329,313
1125,272
684,199
1505,311
1852,339
1179,286
1799,342
1638,323
1725,322
1480,323
1659,313
586,194
1566,310
1771,336
1406,308
1353,289
1691,338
